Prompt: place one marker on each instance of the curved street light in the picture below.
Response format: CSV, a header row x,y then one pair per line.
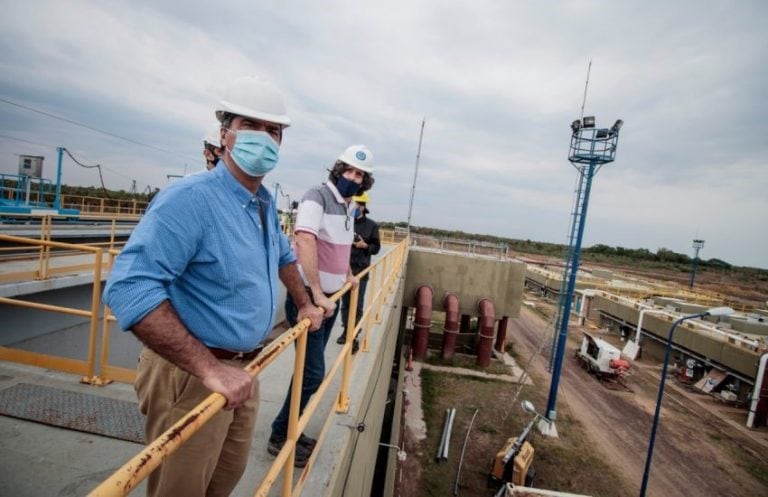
x,y
716,311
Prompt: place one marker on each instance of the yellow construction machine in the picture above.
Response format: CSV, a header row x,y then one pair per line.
x,y
514,462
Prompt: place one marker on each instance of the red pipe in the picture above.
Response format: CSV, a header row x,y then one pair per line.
x,y
423,321
485,328
451,330
501,334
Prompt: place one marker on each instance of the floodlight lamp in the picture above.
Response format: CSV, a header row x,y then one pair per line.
x,y
617,125
528,407
720,311
589,122
575,126
602,133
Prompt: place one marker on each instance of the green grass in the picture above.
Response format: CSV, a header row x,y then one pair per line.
x,y
565,464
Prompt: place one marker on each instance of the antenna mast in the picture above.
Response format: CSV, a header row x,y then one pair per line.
x,y
586,85
415,173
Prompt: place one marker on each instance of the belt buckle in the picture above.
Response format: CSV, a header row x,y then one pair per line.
x,y
239,356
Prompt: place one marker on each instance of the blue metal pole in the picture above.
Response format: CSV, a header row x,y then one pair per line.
x,y
563,333
693,269
57,199
647,471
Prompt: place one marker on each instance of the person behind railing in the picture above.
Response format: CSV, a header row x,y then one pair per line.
x,y
212,146
197,284
323,236
366,243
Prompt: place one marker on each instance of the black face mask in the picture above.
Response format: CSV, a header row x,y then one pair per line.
x,y
346,187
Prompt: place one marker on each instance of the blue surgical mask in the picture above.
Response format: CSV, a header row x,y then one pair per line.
x,y
255,152
346,188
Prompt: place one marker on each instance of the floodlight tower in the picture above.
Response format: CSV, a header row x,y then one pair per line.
x,y
591,148
697,245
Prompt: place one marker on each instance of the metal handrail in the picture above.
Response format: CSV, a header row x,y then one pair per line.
x,y
69,365
140,466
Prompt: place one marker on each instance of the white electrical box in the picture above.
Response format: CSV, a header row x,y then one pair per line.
x,y
31,165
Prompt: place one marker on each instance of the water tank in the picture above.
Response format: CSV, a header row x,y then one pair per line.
x,y
31,165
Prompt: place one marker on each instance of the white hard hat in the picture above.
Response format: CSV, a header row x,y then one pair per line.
x,y
358,156
213,136
253,97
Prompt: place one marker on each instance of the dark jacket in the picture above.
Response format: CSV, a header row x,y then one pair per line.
x,y
368,230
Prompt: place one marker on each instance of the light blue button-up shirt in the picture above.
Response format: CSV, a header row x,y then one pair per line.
x,y
202,246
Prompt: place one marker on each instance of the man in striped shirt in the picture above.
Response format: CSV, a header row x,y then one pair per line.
x,y
323,235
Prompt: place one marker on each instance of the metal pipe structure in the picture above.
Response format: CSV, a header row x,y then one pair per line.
x,y
501,334
57,198
440,448
461,458
448,430
451,329
423,321
757,391
632,347
485,332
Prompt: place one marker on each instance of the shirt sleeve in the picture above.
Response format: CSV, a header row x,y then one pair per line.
x,y
157,252
310,213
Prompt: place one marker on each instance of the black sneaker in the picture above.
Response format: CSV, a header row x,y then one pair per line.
x,y
307,442
276,444
342,339
355,346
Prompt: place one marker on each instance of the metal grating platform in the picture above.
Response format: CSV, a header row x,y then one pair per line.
x,y
74,410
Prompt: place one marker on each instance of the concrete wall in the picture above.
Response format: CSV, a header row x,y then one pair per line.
x,y
20,324
740,358
355,465
749,327
470,277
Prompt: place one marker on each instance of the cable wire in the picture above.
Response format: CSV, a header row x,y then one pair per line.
x,y
86,126
97,166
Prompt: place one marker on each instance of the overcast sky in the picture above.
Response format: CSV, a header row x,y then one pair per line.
x,y
498,82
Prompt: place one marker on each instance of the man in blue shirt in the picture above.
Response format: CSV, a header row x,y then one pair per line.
x,y
198,284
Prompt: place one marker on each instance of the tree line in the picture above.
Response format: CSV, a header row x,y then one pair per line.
x,y
663,257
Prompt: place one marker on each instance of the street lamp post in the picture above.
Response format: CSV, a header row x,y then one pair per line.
x,y
716,311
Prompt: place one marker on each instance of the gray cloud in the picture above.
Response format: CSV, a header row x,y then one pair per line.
x,y
498,82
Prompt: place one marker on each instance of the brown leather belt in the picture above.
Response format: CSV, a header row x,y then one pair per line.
x,y
228,355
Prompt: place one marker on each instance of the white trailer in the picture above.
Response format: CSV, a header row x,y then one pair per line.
x,y
601,358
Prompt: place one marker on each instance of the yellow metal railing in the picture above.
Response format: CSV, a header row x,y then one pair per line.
x,y
50,263
383,275
87,367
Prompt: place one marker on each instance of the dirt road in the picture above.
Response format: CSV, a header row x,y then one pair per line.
x,y
697,452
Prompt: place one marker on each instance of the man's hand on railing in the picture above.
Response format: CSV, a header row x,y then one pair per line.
x,y
352,280
235,384
314,313
322,301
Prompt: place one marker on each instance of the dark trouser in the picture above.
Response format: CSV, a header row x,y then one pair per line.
x,y
360,304
314,365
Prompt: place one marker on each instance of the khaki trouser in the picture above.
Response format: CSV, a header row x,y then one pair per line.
x,y
212,461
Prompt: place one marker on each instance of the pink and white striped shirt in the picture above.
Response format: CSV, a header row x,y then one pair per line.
x,y
324,213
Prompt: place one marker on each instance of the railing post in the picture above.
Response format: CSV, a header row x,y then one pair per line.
x,y
93,329
342,402
376,286
293,413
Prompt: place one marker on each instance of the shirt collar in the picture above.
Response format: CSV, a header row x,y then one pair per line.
x,y
335,192
242,194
